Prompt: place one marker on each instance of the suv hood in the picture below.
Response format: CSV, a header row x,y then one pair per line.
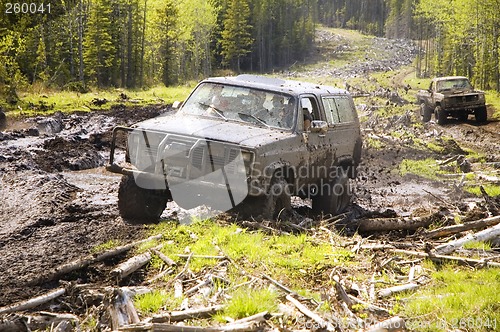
x,y
214,129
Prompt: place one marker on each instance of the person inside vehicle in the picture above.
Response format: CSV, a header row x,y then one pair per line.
x,y
282,110
218,101
307,119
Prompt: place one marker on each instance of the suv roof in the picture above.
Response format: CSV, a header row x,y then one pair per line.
x,y
445,78
276,84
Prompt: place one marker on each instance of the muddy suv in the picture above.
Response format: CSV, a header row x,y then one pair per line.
x,y
451,96
243,142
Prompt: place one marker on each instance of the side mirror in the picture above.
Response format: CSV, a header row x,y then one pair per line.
x,y
318,126
176,105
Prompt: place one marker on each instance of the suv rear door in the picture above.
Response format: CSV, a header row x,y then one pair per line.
x,y
342,122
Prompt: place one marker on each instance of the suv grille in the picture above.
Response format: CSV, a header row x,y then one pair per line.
x,y
190,158
463,99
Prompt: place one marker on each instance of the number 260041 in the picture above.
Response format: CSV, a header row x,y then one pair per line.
x,y
27,8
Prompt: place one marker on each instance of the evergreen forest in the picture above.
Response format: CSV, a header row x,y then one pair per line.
x,y
77,44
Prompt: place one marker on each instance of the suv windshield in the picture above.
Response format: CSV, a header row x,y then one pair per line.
x,y
258,107
461,83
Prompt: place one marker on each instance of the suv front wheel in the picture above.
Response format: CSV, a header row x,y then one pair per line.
x,y
278,200
425,112
481,114
440,115
139,204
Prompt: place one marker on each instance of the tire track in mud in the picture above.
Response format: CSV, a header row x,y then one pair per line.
x,y
56,200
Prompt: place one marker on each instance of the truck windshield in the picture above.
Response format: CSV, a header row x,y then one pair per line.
x,y
453,84
258,107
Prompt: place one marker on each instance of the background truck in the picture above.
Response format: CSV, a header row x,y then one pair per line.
x,y
451,96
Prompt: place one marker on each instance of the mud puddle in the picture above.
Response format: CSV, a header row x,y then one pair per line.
x,y
96,186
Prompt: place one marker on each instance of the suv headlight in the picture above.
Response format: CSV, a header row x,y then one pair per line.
x,y
247,157
248,160
481,97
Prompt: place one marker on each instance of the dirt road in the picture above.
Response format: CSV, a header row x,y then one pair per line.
x,y
57,202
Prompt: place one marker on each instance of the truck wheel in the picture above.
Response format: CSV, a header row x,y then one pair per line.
x,y
441,115
426,113
139,204
278,200
481,114
336,198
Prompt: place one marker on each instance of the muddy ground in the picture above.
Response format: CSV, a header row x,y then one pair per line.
x,y
57,202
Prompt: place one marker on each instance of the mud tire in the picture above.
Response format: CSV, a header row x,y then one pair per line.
x,y
440,115
426,113
278,200
481,114
139,205
336,200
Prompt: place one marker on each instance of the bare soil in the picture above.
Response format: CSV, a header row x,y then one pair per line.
x,y
57,202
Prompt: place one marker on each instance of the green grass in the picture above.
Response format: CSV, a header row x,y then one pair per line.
x,y
301,262
45,102
154,301
481,245
106,246
491,189
493,99
427,168
286,255
247,301
475,156
457,298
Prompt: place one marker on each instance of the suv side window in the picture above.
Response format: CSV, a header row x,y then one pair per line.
x,y
310,104
332,115
344,107
338,109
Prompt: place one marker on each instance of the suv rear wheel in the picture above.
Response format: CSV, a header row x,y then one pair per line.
x,y
139,204
336,199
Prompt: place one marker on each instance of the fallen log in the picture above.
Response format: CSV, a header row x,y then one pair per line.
x,y
250,326
454,229
257,318
397,289
462,260
84,262
122,311
394,324
40,322
131,265
176,316
369,306
322,324
341,292
484,235
392,224
201,256
160,275
34,302
163,257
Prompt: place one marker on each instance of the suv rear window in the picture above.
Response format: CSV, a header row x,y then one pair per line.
x,y
338,109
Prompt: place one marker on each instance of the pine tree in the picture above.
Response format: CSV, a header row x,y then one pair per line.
x,y
236,37
166,28
98,43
